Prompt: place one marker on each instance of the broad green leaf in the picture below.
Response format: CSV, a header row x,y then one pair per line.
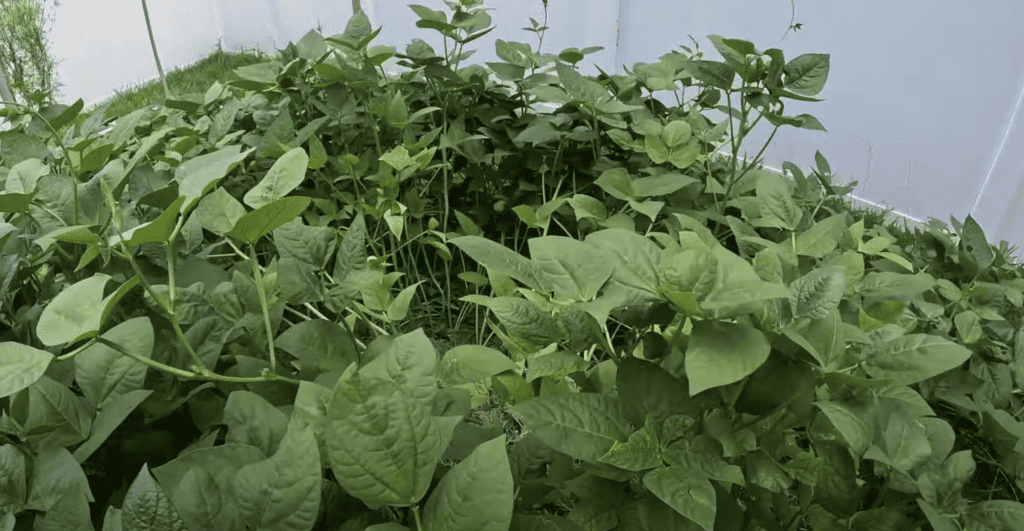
x,y
656,149
218,211
690,494
399,307
108,419
145,504
197,176
972,240
13,486
676,133
660,185
721,353
641,452
53,472
522,318
471,363
616,182
560,363
585,426
252,420
475,494
104,374
692,270
283,491
822,238
572,267
994,514
383,443
351,254
582,89
850,424
319,343
818,292
23,365
776,198
968,327
222,461
72,315
156,231
204,505
806,75
647,390
714,73
912,358
735,52
901,441
311,245
70,512
737,288
635,262
265,219
501,259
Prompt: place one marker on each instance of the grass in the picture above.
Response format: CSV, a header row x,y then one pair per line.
x,y
197,77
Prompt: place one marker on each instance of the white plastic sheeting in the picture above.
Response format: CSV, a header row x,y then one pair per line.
x,y
923,104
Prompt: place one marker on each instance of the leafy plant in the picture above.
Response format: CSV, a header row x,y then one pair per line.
x,y
246,288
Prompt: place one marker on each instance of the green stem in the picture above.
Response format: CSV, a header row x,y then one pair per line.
x,y
263,306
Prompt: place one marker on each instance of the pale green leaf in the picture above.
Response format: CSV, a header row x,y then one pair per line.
x,y
471,363
721,353
475,494
23,365
283,491
584,426
104,374
691,495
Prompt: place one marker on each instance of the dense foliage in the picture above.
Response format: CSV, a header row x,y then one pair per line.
x,y
486,297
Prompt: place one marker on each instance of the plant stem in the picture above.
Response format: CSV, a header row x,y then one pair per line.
x,y
156,56
263,306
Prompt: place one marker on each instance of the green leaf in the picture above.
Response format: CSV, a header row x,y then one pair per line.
x,y
475,494
735,52
501,259
319,343
382,442
204,505
822,237
635,262
585,426
775,195
850,424
263,220
572,267
109,419
197,176
894,286
994,514
641,452
285,175
818,292
691,495
156,231
656,149
714,73
23,365
352,251
912,358
523,319
676,133
721,353
399,307
283,491
72,315
973,241
145,503
471,363
903,442
104,374
660,185
806,75
310,245
617,183
582,89
252,420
